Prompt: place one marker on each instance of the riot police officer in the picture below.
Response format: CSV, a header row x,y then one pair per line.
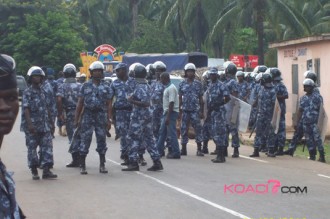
x,y
67,98
94,109
191,108
37,124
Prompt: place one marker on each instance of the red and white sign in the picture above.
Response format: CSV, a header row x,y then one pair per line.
x,y
105,48
244,61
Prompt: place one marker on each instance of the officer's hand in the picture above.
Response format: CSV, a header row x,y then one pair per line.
x,y
31,129
130,99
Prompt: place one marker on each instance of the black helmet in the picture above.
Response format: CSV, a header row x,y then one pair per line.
x,y
140,71
266,79
275,73
231,69
312,75
260,69
121,66
7,72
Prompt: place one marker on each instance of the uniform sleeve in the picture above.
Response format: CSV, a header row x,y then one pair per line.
x,y
181,88
60,90
200,89
82,90
225,90
25,99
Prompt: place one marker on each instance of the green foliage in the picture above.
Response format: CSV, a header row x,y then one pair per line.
x,y
152,39
46,40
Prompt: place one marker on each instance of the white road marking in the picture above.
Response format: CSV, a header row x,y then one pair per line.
x,y
323,176
189,194
250,158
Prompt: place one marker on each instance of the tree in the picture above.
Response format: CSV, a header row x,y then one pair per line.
x,y
46,40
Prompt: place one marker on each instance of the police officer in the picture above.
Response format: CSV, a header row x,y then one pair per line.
x,y
191,108
242,86
282,95
217,97
299,131
37,124
157,90
94,109
120,88
8,113
232,85
67,98
207,125
309,108
82,78
140,127
266,103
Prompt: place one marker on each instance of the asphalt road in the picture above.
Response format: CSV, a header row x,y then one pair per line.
x,y
192,187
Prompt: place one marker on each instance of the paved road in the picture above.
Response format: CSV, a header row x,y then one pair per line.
x,y
192,187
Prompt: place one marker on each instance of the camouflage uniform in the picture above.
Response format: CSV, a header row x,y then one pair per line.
x,y
58,83
243,91
50,100
69,92
232,87
207,125
266,104
253,97
94,116
281,134
140,127
36,101
191,93
157,90
310,104
217,91
120,90
9,208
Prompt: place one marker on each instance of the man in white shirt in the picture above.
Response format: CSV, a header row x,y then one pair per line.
x,y
171,113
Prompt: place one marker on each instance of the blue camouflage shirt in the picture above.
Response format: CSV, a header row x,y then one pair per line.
x,y
282,91
266,101
157,91
35,100
69,91
95,97
232,85
8,205
121,89
191,92
142,93
310,105
216,93
50,98
243,90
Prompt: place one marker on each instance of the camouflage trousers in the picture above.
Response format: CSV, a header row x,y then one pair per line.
x,y
157,114
93,121
231,129
207,129
70,130
253,116
219,128
280,137
265,135
122,125
45,142
297,136
192,118
313,136
139,135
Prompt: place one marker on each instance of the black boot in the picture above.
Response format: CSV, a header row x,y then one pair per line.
x,y
220,156
34,172
290,152
226,152
236,153
271,152
102,164
75,160
322,158
199,150
255,153
132,166
125,158
47,174
83,170
263,149
141,160
279,152
205,149
157,166
215,152
312,154
184,150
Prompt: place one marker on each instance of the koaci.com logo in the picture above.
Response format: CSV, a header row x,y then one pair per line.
x,y
272,186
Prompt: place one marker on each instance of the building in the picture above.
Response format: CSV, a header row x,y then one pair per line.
x,y
295,57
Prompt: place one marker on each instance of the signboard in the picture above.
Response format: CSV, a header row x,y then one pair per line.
x,y
105,52
244,61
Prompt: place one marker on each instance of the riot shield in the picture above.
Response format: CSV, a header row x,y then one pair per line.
x,y
292,103
276,117
322,122
238,113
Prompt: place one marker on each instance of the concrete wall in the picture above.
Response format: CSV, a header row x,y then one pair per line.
x,y
299,54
